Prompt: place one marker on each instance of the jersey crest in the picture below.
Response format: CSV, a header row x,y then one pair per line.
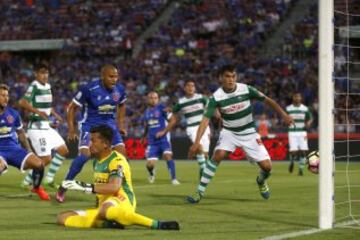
x,y
10,119
116,96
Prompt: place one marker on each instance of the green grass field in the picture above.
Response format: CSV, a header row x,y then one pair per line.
x,y
232,208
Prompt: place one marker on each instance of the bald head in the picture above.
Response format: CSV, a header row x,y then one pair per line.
x,y
153,98
109,75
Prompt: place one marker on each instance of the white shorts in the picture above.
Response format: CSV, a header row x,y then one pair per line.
x,y
44,140
298,141
205,140
251,144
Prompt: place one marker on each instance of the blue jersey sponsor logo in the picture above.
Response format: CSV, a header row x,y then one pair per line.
x,y
156,120
10,121
99,104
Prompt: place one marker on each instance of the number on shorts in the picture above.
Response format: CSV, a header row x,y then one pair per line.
x,y
42,141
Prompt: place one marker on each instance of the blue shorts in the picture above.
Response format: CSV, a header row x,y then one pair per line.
x,y
155,151
15,156
84,138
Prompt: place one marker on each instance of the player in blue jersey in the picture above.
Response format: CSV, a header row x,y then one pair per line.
x,y
11,153
155,119
102,102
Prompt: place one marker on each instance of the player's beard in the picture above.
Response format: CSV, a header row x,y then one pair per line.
x,y
94,155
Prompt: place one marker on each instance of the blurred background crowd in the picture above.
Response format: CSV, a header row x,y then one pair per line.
x,y
199,37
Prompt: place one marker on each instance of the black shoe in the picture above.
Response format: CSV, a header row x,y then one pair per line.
x,y
301,173
112,224
291,167
170,225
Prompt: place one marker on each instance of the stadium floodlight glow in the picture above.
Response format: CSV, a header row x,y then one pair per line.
x,y
326,119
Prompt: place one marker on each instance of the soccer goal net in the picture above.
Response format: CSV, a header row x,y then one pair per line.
x,y
339,61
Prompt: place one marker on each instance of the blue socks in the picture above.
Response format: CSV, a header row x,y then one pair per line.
x,y
171,167
76,166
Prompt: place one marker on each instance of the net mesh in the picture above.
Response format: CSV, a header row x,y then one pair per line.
x,y
347,112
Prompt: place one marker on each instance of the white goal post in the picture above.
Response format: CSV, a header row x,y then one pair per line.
x,y
326,119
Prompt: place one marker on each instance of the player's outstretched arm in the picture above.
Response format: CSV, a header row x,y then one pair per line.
x,y
120,118
146,129
309,120
57,116
169,127
200,132
24,104
70,118
286,117
23,140
110,188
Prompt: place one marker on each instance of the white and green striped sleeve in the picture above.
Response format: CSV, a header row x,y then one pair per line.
x,y
30,93
256,94
210,108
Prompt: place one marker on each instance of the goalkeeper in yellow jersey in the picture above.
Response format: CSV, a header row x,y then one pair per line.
x,y
113,187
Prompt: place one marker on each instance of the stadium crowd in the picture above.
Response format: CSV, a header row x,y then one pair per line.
x,y
200,37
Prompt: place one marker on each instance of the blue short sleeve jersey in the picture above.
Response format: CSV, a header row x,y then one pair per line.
x,y
10,150
156,120
99,104
10,121
99,107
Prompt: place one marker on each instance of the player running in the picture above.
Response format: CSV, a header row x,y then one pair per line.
x,y
233,100
102,102
11,153
43,138
192,106
155,118
298,144
113,187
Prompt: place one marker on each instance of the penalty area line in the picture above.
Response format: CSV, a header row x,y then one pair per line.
x,y
311,231
294,234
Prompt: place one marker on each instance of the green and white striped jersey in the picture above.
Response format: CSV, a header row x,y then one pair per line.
x,y
235,108
192,108
300,114
40,97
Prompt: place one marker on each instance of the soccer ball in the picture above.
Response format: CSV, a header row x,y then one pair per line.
x,y
313,161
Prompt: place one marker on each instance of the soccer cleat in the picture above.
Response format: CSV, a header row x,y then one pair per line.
x,y
51,185
151,179
60,196
112,224
195,198
40,191
301,172
175,182
264,189
291,167
169,225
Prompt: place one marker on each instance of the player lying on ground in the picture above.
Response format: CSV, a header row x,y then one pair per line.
x,y
113,186
11,133
233,100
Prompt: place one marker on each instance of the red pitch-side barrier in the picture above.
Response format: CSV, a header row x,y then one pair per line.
x,y
277,146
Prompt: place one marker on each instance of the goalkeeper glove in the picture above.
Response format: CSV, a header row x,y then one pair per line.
x,y
78,186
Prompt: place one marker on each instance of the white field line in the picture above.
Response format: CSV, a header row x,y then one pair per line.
x,y
312,231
